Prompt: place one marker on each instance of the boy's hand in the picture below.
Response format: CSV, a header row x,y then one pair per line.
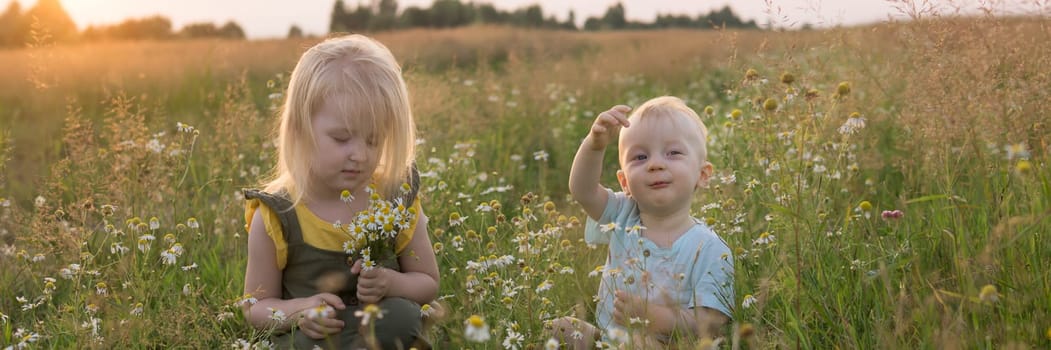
x,y
373,284
627,306
320,321
606,127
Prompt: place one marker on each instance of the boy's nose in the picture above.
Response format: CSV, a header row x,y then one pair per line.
x,y
656,164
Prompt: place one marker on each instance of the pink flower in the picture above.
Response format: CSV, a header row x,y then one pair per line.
x,y
892,214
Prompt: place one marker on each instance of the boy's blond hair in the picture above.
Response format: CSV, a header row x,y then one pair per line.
x,y
366,83
674,108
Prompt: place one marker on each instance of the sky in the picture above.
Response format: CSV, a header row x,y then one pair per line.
x,y
272,18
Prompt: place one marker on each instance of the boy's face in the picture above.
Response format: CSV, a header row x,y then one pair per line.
x,y
661,163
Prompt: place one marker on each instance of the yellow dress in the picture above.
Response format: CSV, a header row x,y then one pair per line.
x,y
316,231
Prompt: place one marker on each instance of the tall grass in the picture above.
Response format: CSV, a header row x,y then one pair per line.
x,y
949,130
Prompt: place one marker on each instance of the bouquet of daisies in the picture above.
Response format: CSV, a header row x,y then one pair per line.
x,y
371,236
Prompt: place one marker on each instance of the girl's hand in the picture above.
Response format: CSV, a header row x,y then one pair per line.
x,y
606,127
373,284
321,321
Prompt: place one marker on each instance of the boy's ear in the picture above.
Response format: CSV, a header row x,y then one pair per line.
x,y
705,176
623,180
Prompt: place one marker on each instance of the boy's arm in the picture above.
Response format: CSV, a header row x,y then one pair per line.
x,y
663,319
586,171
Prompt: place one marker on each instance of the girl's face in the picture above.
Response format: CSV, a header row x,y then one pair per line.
x,y
345,159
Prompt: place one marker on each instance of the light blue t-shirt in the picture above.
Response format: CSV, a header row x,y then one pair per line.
x,y
697,270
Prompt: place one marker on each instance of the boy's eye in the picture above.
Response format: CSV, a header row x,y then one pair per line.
x,y
639,157
675,153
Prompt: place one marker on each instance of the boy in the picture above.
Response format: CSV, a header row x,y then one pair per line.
x,y
666,272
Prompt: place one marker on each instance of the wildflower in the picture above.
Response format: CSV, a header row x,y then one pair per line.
x,y
764,238
189,267
853,124
892,214
247,299
770,104
544,286
137,310
735,114
552,343
1023,166
513,339
368,313
540,155
426,310
709,110
39,201
320,311
100,288
455,219
346,197
155,223
168,257
1018,150
23,338
38,257
865,206
608,227
192,223
618,335
476,329
787,78
748,301
989,294
277,315
186,289
843,89
751,74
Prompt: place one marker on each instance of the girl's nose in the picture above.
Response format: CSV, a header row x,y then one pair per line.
x,y
357,150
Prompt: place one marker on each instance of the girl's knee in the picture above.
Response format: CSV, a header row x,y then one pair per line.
x,y
401,324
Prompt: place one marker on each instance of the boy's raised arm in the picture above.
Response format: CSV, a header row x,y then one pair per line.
x,y
586,172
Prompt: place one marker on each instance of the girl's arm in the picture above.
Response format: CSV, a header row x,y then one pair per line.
x,y
263,282
586,171
418,279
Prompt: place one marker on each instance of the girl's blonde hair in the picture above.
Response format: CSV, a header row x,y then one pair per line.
x,y
673,107
362,77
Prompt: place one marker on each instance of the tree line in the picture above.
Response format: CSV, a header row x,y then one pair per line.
x,y
47,21
384,15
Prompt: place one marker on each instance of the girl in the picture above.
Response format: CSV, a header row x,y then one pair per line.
x,y
346,128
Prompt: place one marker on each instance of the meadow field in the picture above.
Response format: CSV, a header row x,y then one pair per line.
x,y
882,187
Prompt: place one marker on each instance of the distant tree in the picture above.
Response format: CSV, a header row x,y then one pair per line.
x,y
487,13
154,27
385,16
295,32
199,30
231,30
415,17
337,22
13,27
592,24
52,18
530,16
571,21
450,13
614,17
